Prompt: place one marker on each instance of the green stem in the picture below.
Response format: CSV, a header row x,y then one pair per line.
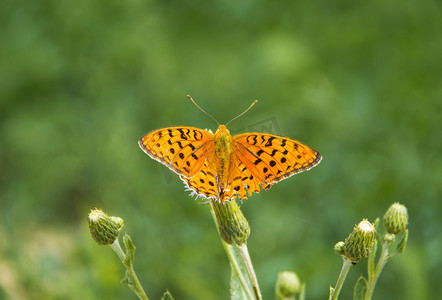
x,y
235,263
244,253
236,267
134,283
385,256
346,265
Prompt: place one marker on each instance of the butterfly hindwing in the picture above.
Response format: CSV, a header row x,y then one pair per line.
x,y
203,183
182,149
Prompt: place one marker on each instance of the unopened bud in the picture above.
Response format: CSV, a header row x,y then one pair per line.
x,y
233,226
396,218
358,244
339,248
104,229
287,285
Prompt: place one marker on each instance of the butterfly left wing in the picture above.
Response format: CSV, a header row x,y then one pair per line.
x,y
182,149
270,158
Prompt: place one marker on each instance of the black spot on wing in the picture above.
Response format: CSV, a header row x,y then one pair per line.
x,y
269,141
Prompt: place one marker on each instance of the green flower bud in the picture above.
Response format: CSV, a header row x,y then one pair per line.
x,y
233,226
358,244
396,218
287,285
339,248
104,229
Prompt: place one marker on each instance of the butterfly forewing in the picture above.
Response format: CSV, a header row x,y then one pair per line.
x,y
272,158
183,149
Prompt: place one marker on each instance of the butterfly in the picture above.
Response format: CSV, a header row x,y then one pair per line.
x,y
221,166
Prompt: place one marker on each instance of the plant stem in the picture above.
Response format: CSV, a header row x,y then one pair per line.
x,y
235,261
244,253
133,283
385,256
236,267
346,265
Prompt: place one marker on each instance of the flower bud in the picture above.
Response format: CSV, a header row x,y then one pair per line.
x,y
233,226
287,285
358,244
104,229
396,218
339,248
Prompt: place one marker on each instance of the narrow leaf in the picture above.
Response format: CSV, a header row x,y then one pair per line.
x,y
371,258
376,223
378,228
360,289
302,292
236,290
240,287
130,250
167,296
332,290
401,245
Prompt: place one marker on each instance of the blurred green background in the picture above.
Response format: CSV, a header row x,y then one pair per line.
x,y
82,81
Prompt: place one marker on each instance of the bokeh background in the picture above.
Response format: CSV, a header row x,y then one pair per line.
x,y
82,81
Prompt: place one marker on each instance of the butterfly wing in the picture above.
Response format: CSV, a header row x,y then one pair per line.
x,y
203,183
270,158
182,149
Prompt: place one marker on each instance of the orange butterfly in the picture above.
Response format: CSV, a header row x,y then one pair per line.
x,y
221,166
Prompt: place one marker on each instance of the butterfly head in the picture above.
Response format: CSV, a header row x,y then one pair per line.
x,y
222,133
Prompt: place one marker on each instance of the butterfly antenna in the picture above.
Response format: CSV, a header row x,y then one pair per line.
x,y
242,112
202,109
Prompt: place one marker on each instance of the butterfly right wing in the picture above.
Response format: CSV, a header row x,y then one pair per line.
x,y
271,158
182,149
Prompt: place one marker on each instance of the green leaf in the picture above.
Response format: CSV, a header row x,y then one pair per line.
x,y
332,290
378,228
239,280
167,296
371,258
126,280
401,245
236,290
376,223
360,289
130,250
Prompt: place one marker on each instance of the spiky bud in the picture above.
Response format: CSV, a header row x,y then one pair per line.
x,y
104,229
287,285
233,226
358,244
396,218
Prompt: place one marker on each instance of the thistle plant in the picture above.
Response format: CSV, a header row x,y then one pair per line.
x,y
105,230
362,243
234,230
355,248
395,222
